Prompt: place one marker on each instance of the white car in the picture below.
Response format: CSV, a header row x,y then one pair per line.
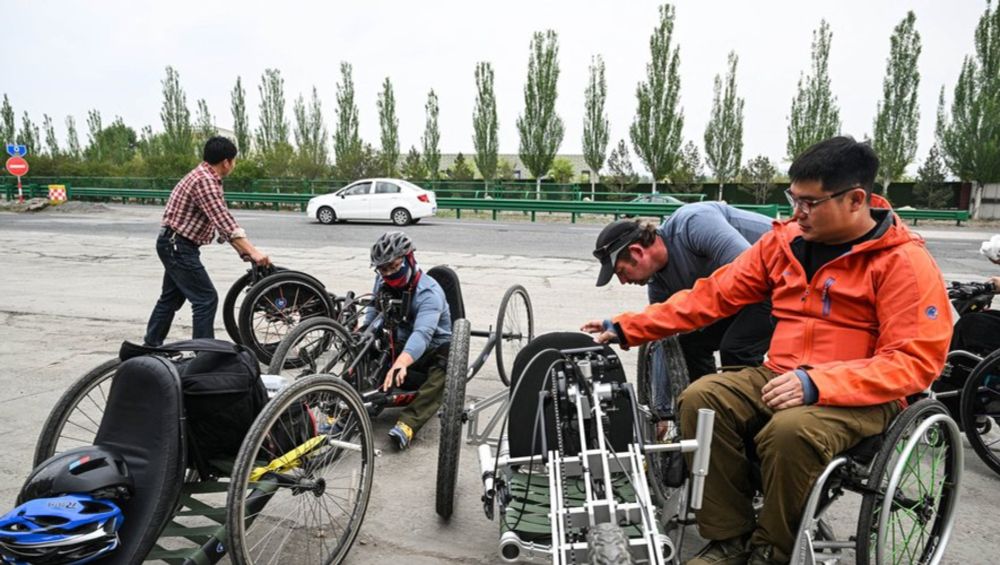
x,y
399,201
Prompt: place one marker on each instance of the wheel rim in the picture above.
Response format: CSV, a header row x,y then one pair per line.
x,y
311,512
320,349
279,309
400,217
920,516
326,215
516,330
79,427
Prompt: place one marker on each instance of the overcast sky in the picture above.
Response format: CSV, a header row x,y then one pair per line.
x,y
63,58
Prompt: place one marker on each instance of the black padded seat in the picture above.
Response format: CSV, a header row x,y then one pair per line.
x,y
142,421
448,279
524,397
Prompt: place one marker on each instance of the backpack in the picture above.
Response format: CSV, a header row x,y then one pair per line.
x,y
222,392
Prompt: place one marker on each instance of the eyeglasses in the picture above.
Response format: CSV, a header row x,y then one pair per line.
x,y
615,246
390,268
807,205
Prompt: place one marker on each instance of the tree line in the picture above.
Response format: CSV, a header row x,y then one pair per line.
x,y
967,134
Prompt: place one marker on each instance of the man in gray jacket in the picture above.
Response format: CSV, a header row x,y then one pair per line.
x,y
693,243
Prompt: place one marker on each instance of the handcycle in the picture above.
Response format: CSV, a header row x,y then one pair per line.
x,y
295,492
970,383
569,469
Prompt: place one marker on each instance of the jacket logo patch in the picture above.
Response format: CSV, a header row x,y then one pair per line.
x,y
932,312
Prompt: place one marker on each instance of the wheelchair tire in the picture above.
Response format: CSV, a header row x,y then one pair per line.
x,y
275,305
75,418
979,404
666,471
229,307
515,319
927,504
317,345
309,509
607,545
452,418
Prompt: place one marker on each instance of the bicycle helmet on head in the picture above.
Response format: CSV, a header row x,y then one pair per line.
x,y
94,470
389,246
72,529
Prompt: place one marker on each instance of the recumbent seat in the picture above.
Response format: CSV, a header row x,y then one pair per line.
x,y
524,397
448,279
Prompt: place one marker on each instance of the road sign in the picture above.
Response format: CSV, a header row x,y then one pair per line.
x,y
15,150
17,166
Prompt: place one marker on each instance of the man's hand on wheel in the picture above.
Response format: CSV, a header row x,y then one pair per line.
x,y
399,372
783,391
260,259
596,327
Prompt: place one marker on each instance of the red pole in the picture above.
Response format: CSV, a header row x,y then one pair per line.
x,y
20,197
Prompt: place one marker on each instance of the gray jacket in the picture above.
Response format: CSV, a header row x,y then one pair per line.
x,y
700,238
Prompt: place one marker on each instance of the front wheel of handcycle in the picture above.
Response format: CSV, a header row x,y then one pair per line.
x,y
301,481
665,470
275,305
515,327
452,411
981,410
908,508
77,415
317,345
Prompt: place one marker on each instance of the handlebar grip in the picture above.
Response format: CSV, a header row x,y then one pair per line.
x,y
699,463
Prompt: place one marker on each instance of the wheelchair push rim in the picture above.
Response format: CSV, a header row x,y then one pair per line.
x,y
303,476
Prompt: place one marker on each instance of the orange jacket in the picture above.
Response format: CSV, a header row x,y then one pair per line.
x,y
873,326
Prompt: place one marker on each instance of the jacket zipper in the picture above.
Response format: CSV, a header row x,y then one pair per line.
x,y
826,296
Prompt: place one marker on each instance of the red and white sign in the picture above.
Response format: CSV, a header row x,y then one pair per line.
x,y
17,166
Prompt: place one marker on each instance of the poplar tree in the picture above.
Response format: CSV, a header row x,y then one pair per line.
x,y
970,137
346,142
94,127
72,139
205,124
176,118
540,128
51,141
241,126
310,136
389,128
484,124
595,121
8,128
29,135
815,115
658,124
272,133
431,137
724,132
898,114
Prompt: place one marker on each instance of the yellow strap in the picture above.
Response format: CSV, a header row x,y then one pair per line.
x,y
287,461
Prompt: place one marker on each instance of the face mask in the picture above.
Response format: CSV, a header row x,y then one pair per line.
x,y
398,279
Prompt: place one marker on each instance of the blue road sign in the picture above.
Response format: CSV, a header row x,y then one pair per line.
x,y
17,150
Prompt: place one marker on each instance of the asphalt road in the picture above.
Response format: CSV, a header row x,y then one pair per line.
x,y
73,286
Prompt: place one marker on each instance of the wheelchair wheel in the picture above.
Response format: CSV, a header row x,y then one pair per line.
x,y
277,304
452,412
516,326
911,524
665,470
317,345
607,545
303,476
234,297
75,418
981,411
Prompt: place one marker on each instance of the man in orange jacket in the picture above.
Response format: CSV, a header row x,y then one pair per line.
x,y
862,322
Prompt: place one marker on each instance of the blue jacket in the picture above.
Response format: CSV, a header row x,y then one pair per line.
x,y
700,238
428,323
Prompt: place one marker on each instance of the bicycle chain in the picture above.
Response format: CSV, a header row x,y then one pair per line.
x,y
562,455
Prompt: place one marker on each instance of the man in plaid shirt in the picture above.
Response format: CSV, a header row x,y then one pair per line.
x,y
195,215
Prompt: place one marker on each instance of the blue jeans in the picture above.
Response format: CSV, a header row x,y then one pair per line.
x,y
184,278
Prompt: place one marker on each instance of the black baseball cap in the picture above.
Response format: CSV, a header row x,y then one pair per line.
x,y
615,237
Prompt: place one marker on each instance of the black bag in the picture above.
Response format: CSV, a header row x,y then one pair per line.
x,y
223,394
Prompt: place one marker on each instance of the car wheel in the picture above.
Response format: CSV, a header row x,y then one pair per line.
x,y
326,215
400,216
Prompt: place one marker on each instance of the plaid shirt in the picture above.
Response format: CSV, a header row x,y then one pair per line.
x,y
197,210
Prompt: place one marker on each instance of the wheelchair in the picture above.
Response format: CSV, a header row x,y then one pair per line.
x,y
296,492
568,473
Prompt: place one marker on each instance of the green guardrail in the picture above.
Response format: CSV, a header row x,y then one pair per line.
x,y
958,216
575,208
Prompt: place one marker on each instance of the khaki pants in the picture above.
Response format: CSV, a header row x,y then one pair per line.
x,y
793,447
425,405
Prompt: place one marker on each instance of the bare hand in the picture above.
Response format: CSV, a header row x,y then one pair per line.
x,y
399,372
995,281
597,327
783,391
260,259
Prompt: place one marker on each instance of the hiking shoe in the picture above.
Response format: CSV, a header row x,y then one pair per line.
x,y
732,551
401,435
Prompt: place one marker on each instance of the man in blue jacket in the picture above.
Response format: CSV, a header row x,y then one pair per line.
x,y
424,331
693,243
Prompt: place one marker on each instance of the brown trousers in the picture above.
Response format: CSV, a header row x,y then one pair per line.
x,y
793,446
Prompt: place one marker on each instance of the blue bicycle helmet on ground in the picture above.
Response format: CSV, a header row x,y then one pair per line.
x,y
93,470
70,529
